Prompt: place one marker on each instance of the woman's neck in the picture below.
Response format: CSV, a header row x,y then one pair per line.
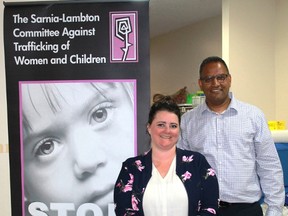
x,y
162,159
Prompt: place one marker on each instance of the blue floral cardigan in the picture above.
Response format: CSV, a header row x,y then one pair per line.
x,y
192,168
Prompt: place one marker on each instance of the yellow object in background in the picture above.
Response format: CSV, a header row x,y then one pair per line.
x,y
281,125
272,125
277,125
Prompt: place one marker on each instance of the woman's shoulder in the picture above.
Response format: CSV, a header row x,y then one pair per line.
x,y
137,159
133,159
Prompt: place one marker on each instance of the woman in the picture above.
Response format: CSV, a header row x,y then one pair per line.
x,y
73,140
166,180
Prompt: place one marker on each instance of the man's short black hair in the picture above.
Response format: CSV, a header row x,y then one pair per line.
x,y
209,60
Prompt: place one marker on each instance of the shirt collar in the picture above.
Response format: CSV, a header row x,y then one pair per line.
x,y
232,106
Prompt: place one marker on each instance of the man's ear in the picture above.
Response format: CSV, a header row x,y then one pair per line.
x,y
200,84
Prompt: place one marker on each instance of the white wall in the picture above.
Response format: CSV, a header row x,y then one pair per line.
x,y
251,52
175,56
255,45
281,63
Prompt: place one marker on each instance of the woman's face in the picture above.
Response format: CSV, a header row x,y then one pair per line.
x,y
164,130
76,141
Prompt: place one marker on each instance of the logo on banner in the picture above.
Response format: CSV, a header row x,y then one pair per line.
x,y
123,37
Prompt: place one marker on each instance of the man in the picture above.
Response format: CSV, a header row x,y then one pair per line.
x,y
235,138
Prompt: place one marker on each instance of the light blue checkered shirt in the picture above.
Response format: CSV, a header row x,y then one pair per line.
x,y
239,145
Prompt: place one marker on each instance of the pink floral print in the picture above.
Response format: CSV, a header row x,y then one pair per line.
x,y
187,159
211,210
128,186
139,165
187,175
210,172
135,203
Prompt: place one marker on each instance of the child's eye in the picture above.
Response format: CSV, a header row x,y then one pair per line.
x,y
101,113
46,147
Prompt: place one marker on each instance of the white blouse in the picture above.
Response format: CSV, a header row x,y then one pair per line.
x,y
165,196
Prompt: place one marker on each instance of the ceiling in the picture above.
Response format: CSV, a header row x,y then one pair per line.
x,y
168,15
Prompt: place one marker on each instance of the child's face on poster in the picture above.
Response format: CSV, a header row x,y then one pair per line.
x,y
75,139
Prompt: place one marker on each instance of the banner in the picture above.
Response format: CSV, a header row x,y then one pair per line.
x,y
78,94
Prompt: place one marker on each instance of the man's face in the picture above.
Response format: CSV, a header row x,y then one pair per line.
x,y
215,83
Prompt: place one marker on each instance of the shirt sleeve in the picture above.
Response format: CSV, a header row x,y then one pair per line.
x,y
269,168
182,142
